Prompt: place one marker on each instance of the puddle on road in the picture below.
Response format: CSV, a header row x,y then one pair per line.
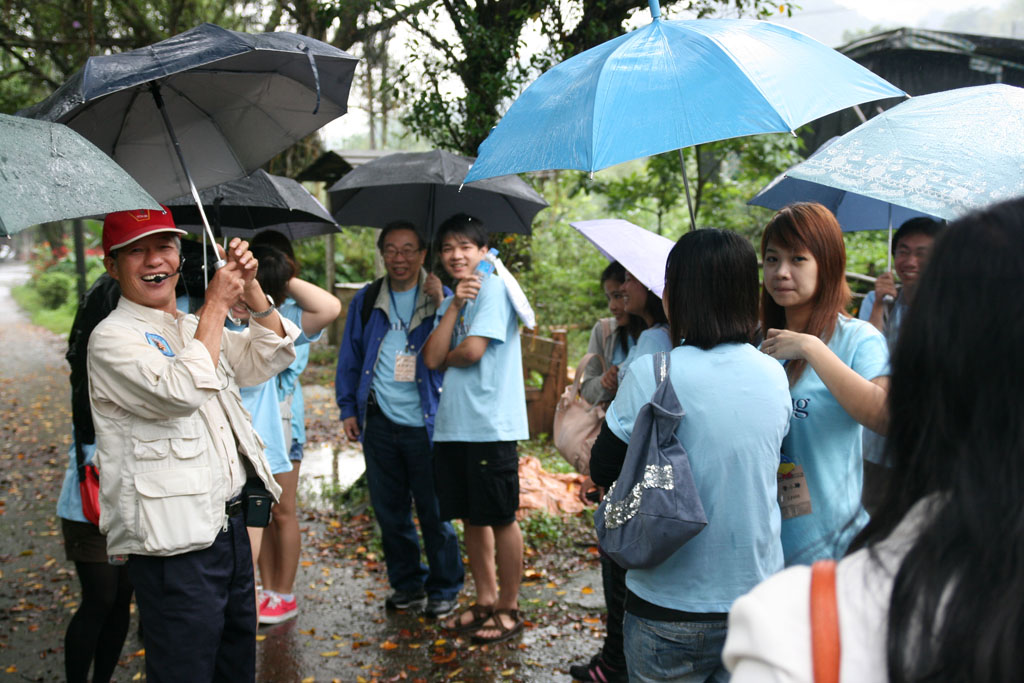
x,y
328,468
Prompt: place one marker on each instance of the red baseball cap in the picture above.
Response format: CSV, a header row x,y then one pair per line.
x,y
124,227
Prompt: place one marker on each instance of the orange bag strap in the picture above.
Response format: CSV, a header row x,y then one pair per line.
x,y
825,646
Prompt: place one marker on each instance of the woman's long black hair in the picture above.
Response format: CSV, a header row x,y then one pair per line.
x,y
957,430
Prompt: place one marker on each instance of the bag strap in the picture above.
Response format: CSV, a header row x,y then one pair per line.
x,y
372,291
825,645
79,461
662,363
581,370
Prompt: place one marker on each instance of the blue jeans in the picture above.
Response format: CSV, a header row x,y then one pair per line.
x,y
399,473
687,651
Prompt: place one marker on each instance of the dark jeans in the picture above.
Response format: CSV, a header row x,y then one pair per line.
x,y
198,610
613,578
681,651
400,473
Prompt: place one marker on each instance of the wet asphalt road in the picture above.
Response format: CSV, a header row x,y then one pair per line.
x,y
342,632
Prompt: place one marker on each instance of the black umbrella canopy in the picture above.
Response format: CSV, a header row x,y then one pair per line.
x,y
423,188
259,201
235,100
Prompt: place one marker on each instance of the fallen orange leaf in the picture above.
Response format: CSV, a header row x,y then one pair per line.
x,y
586,590
443,659
388,645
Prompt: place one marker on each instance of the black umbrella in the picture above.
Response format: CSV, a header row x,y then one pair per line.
x,y
259,201
236,99
423,188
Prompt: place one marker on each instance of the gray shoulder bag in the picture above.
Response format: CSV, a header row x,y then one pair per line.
x,y
653,508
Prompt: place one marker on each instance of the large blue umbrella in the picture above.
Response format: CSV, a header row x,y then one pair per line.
x,y
942,154
670,85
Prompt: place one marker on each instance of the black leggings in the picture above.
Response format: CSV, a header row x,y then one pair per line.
x,y
100,625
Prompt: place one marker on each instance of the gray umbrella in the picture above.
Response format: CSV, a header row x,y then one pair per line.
x,y
423,188
259,201
237,99
49,172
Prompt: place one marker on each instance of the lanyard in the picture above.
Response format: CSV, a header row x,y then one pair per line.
x,y
394,306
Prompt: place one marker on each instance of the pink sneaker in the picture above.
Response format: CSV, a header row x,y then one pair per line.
x,y
274,609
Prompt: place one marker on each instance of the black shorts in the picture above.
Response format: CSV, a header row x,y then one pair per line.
x,y
477,482
83,542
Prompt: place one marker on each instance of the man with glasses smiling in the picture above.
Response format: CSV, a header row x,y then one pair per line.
x,y
388,399
911,247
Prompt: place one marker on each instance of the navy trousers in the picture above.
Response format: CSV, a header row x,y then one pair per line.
x,y
399,473
198,610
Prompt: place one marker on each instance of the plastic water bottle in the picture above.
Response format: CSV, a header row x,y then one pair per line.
x,y
486,265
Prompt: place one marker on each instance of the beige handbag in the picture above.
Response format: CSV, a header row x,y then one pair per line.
x,y
577,423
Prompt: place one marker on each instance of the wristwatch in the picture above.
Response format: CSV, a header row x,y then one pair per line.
x,y
262,314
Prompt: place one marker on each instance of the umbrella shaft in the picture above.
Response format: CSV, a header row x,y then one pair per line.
x,y
686,183
154,88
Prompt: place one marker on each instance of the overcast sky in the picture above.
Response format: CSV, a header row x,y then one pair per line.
x,y
826,20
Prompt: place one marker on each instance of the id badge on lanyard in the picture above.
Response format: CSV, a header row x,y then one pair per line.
x,y
405,366
405,361
794,496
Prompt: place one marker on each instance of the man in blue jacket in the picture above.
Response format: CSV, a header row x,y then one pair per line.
x,y
388,399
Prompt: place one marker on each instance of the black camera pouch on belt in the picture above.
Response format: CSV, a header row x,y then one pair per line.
x,y
256,502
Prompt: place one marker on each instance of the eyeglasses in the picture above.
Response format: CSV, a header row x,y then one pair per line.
x,y
391,253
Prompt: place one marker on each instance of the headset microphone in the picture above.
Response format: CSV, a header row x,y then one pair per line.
x,y
161,278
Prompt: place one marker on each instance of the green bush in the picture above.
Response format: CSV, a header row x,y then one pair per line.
x,y
55,288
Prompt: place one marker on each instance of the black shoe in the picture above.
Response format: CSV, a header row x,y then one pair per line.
x,y
438,608
406,600
597,671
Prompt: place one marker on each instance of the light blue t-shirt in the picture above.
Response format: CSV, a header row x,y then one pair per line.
x,y
892,323
873,442
263,404
618,355
288,379
400,401
737,408
826,442
487,400
652,340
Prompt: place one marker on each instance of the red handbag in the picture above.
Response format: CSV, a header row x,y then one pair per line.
x,y
88,487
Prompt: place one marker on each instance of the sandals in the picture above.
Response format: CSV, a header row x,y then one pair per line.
x,y
481,613
494,623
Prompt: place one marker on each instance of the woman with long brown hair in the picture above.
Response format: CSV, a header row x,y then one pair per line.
x,y
838,371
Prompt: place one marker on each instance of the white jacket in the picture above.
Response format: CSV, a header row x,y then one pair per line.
x,y
170,427
769,638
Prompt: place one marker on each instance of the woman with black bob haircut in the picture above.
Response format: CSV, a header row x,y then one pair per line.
x,y
932,589
737,410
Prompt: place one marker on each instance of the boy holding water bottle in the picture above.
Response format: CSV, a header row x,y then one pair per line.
x,y
481,415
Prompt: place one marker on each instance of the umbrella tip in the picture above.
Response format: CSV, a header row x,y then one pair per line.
x,y
655,9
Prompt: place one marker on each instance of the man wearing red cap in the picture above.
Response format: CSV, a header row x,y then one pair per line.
x,y
174,445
